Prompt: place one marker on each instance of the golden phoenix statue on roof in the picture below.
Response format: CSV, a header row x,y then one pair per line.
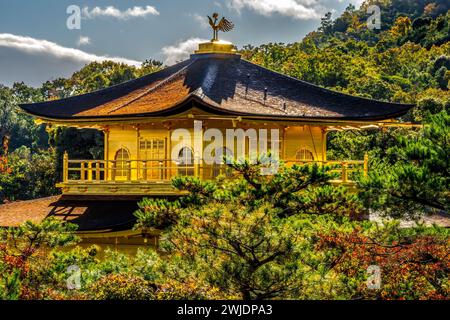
x,y
224,25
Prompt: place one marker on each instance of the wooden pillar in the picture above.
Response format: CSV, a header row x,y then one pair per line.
x,y
106,143
106,152
196,164
65,167
324,144
138,154
366,165
344,171
167,164
170,173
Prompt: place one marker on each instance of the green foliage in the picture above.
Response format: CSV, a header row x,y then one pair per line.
x,y
114,275
27,239
10,286
121,287
221,250
416,178
28,175
157,213
238,235
249,251
329,200
199,192
291,191
23,256
15,126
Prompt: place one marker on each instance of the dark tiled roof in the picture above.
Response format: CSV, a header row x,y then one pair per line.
x,y
220,83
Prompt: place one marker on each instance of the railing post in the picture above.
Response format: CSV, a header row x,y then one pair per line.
x,y
106,168
89,171
113,171
97,170
82,171
196,167
144,170
160,170
366,165
344,171
166,168
128,170
65,166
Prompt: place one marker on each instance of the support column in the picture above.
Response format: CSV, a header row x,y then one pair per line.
x,y
65,167
106,152
324,144
366,165
138,154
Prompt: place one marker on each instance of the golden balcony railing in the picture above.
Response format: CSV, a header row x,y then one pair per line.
x,y
166,169
345,169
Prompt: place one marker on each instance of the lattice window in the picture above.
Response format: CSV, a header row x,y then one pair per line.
x,y
153,149
304,154
122,162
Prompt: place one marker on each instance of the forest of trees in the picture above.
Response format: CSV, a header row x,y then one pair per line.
x,y
292,235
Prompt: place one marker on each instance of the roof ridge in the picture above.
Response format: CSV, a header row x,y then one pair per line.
x,y
153,88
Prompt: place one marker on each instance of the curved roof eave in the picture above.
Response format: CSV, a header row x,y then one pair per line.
x,y
186,104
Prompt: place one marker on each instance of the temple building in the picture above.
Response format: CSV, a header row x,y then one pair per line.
x,y
142,120
220,89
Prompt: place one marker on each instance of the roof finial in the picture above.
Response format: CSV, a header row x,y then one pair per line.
x,y
224,25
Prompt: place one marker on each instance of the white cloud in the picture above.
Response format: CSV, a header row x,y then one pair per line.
x,y
358,3
110,11
82,41
298,9
38,46
201,20
181,50
35,61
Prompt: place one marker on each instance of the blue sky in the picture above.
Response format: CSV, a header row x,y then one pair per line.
x,y
36,45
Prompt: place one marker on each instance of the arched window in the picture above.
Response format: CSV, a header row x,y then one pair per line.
x,y
185,162
304,154
122,162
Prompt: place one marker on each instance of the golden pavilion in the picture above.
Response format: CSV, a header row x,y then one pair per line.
x,y
220,89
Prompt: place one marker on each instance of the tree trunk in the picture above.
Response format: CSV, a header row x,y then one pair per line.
x,y
5,145
246,294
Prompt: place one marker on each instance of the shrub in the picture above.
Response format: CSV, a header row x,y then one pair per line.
x,y
122,287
